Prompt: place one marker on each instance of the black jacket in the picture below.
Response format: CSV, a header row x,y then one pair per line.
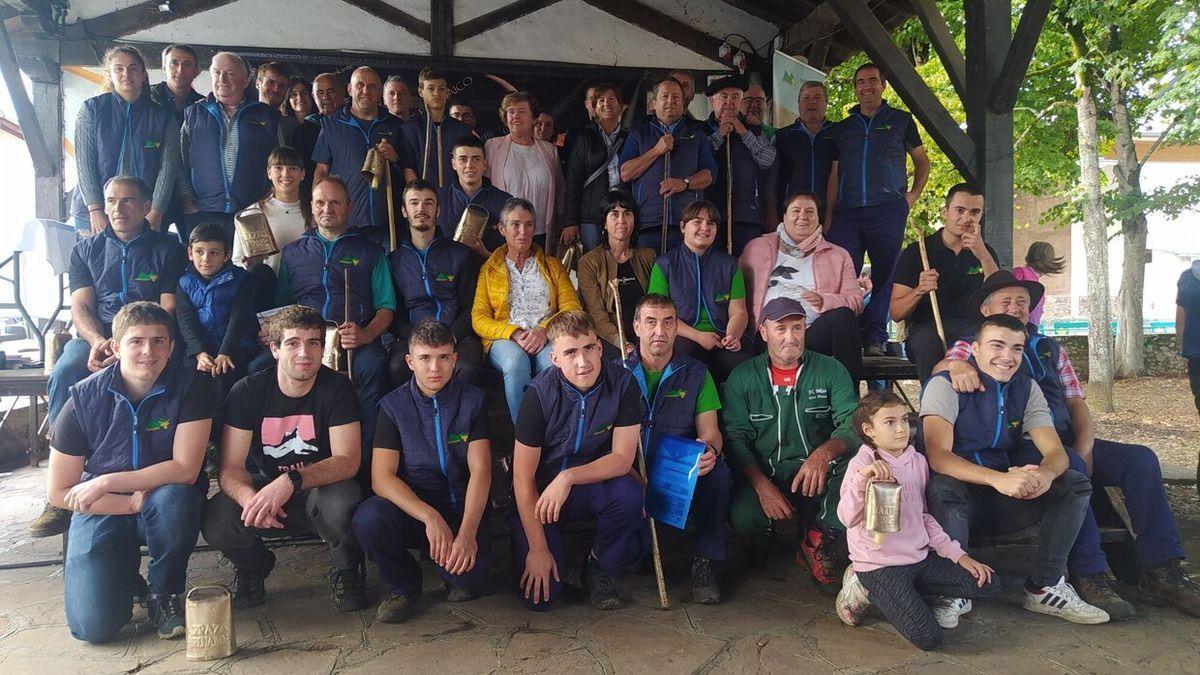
x,y
588,154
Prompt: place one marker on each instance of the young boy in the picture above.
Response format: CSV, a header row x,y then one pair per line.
x,y
216,308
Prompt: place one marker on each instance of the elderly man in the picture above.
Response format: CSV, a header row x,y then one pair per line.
x,y
225,141
345,138
744,162
328,93
870,200
805,148
314,271
176,92
643,164
398,98
787,430
431,133
1131,467
959,261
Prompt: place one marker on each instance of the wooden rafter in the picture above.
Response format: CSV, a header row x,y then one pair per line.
x,y
1020,51
139,17
31,128
496,18
397,17
943,43
777,12
822,22
667,27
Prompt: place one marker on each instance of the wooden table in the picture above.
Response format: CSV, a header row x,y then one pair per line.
x,y
29,382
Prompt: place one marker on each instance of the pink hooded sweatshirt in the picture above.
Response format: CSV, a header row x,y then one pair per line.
x,y
918,533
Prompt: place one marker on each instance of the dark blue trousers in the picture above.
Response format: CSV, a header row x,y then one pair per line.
x,y
386,534
708,514
615,504
1135,470
877,231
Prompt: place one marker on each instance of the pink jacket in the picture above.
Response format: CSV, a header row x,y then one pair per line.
x,y
832,271
497,155
918,533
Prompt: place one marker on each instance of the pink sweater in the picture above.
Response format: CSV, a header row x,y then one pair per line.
x,y
833,274
918,533
1026,273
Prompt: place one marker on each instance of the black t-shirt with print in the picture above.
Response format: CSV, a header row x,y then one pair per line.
x,y
290,433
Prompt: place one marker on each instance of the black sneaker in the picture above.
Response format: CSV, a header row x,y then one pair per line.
x,y
458,594
50,522
706,590
602,590
1096,590
249,583
166,613
873,349
349,589
397,608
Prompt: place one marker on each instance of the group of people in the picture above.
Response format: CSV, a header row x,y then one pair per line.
x,y
754,355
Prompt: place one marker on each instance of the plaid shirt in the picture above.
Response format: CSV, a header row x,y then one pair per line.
x,y
1066,372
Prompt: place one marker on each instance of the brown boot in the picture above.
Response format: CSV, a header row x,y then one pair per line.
x,y
1096,590
51,522
1168,585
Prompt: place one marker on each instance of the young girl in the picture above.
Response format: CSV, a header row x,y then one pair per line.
x,y
894,575
1040,261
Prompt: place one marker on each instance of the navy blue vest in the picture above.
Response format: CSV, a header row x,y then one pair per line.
x,y
452,201
348,143
871,157
161,94
213,300
699,280
803,160
258,134
123,435
672,410
449,130
317,274
750,182
143,268
427,282
434,435
685,161
579,425
135,131
1040,362
990,423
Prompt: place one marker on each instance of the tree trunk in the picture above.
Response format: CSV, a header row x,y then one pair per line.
x,y
1095,233
1130,346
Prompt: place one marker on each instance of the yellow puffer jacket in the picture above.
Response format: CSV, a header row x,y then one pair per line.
x,y
489,313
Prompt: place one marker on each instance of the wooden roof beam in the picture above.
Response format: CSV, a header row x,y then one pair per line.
x,y
142,16
943,43
667,27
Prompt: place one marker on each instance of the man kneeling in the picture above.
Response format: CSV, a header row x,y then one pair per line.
x,y
968,439
576,437
299,425
125,457
431,469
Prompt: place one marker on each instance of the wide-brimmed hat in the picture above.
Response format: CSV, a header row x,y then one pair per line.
x,y
728,82
1005,279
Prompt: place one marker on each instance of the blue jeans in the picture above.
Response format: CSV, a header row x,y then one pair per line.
x,y
709,511
879,232
103,557
70,368
518,368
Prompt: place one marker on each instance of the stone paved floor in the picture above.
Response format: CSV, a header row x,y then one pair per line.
x,y
773,623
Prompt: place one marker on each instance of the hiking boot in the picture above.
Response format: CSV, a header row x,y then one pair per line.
x,y
1096,590
349,589
249,583
50,522
851,603
706,590
946,610
397,608
459,594
816,553
873,349
1169,585
1062,601
602,590
166,613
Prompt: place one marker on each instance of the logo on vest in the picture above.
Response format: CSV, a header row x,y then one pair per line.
x,y
676,393
602,429
348,260
152,145
261,123
160,424
458,438
721,297
146,276
444,276
976,269
1014,424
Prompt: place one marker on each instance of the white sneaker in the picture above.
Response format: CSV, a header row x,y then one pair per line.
x,y
946,610
851,602
1062,601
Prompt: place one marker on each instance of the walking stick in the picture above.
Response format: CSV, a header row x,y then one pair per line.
x,y
663,600
387,172
666,208
425,155
346,319
728,194
933,301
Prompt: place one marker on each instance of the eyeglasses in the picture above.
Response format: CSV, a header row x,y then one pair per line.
x,y
756,100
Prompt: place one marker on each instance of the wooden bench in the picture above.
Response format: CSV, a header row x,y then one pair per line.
x,y
29,382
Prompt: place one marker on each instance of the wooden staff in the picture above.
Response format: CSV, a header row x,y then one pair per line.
x,y
666,208
346,319
933,301
663,600
425,155
729,193
387,173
